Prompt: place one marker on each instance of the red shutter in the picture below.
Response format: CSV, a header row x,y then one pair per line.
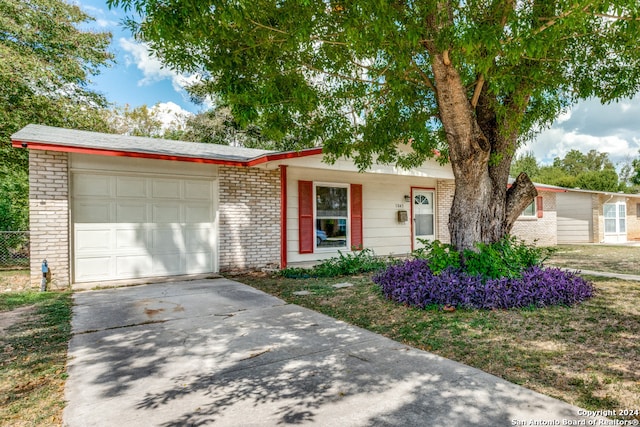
x,y
305,216
356,217
540,206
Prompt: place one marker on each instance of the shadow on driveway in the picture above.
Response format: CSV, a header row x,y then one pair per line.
x,y
217,352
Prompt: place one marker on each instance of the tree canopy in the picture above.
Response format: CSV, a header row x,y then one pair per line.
x,y
591,171
45,63
472,79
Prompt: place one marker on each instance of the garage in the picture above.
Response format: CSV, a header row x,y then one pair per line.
x,y
575,217
134,225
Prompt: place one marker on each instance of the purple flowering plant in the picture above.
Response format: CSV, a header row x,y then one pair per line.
x,y
415,283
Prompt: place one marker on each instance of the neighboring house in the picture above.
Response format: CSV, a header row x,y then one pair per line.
x,y
109,207
586,216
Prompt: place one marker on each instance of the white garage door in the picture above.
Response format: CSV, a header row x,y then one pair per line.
x,y
574,217
127,226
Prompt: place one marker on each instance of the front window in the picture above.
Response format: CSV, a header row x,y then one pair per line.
x,y
332,211
530,210
615,218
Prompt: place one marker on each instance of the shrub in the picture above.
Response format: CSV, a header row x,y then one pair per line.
x,y
508,257
414,284
343,265
439,255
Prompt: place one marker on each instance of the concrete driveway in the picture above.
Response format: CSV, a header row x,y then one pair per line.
x,y
217,352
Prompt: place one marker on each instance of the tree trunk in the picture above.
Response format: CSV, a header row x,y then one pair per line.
x,y
484,207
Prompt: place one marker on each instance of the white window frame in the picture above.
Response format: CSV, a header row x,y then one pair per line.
x,y
618,218
534,215
347,246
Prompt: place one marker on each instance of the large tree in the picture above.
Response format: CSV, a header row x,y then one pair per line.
x,y
470,78
45,63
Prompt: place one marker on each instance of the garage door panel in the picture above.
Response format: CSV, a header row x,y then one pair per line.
x,y
199,262
132,240
130,266
131,187
93,268
165,213
165,189
92,211
92,185
92,240
197,190
198,213
131,212
198,239
574,218
168,264
165,240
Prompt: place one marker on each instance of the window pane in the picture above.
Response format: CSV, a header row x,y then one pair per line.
x,y
331,232
609,225
331,202
530,210
424,224
623,225
609,211
622,211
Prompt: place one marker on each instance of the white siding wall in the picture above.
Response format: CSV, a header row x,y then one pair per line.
x,y
383,196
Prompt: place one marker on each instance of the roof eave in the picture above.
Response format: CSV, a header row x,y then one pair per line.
x,y
248,162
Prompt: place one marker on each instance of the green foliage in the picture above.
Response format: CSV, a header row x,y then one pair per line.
x,y
138,121
591,171
635,173
296,68
343,265
14,201
440,255
396,82
508,257
45,64
526,163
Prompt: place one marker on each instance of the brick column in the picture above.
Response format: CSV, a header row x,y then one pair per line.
x,y
249,218
49,216
444,196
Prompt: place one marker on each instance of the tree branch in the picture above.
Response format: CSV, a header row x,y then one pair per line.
x,y
267,27
426,80
615,17
552,21
343,76
519,195
477,91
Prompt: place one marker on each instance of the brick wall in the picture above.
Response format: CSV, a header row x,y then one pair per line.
x,y
541,231
249,218
444,198
633,219
597,219
49,215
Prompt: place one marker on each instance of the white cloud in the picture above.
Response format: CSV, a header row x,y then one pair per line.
x,y
138,54
589,125
100,15
171,114
152,69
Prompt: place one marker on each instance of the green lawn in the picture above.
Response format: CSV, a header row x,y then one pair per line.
x,y
33,359
587,355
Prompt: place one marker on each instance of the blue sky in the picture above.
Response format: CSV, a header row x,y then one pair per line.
x,y
137,78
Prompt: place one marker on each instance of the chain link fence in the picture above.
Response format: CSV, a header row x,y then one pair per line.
x,y
14,249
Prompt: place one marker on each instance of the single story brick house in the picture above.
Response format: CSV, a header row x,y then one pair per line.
x,y
106,207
